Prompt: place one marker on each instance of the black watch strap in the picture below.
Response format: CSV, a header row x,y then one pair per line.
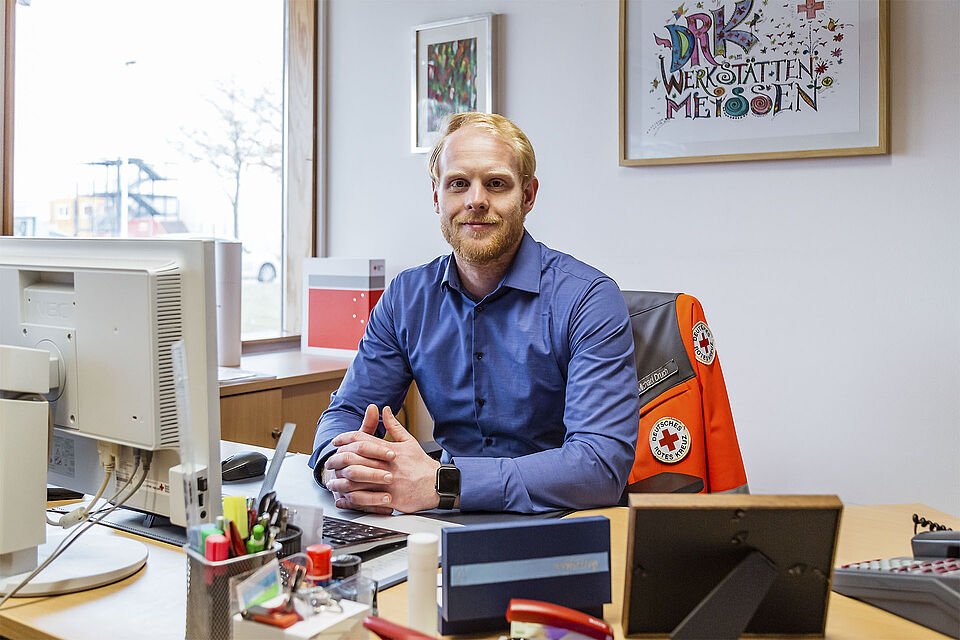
x,y
318,469
448,485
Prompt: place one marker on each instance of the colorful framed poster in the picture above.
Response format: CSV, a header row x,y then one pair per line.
x,y
724,80
452,73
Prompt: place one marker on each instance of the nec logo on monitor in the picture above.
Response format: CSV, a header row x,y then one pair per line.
x,y
49,309
49,303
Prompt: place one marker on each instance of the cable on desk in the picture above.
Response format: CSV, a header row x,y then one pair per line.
x,y
136,466
930,524
147,458
108,460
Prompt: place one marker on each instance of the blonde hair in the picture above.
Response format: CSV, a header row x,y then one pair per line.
x,y
493,123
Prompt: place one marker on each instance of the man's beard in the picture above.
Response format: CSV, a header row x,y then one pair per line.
x,y
488,249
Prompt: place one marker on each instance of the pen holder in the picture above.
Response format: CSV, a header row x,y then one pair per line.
x,y
289,541
211,599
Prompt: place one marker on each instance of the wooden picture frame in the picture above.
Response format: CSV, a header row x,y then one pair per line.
x,y
808,78
683,549
452,72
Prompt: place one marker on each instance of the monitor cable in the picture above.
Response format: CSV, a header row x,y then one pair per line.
x,y
108,452
136,465
146,459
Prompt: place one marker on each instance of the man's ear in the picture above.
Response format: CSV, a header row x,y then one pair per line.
x,y
530,194
436,197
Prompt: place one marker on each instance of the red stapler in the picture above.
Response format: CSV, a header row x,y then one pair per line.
x,y
542,620
392,631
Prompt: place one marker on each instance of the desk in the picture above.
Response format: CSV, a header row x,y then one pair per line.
x,y
253,412
152,603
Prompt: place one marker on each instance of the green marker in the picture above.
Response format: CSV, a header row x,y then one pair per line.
x,y
255,543
207,530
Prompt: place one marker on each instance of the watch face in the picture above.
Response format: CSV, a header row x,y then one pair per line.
x,y
448,480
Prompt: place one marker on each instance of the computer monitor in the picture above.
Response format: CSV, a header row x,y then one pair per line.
x,y
720,565
109,310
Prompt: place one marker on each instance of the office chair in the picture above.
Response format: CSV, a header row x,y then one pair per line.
x,y
686,441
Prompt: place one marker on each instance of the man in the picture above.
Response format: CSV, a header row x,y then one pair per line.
x,y
522,354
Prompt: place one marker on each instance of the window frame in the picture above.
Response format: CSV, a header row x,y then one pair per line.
x,y
303,24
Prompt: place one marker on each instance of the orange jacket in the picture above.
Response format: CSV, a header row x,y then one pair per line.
x,y
687,441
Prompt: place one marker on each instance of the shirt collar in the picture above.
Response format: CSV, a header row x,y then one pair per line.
x,y
451,277
523,273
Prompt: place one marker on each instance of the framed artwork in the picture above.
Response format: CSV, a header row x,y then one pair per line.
x,y
452,73
725,80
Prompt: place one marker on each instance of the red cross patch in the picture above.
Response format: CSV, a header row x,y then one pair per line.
x,y
669,440
703,346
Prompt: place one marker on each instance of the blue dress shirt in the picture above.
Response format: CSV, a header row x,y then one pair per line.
x,y
533,389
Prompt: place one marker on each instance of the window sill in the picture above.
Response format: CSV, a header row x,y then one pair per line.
x,y
270,345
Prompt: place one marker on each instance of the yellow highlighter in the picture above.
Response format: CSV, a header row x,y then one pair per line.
x,y
235,509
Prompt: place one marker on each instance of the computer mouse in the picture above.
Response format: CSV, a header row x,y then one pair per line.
x,y
241,466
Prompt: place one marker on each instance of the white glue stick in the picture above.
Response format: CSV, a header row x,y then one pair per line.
x,y
423,555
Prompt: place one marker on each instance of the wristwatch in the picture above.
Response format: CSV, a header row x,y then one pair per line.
x,y
448,485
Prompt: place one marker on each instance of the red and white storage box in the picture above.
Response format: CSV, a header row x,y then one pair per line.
x,y
339,295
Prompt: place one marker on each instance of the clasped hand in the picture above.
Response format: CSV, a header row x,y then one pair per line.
x,y
371,474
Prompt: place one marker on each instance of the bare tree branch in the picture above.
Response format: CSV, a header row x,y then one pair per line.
x,y
249,134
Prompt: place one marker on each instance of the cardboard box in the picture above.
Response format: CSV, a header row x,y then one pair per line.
x,y
339,295
565,562
328,625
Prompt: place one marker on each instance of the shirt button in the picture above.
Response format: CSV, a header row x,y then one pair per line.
x,y
481,402
478,355
488,441
480,308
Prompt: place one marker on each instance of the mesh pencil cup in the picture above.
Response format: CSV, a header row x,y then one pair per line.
x,y
211,599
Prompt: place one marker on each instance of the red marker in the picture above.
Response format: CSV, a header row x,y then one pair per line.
x,y
218,547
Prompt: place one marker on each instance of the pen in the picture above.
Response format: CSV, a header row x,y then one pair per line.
x,y
295,581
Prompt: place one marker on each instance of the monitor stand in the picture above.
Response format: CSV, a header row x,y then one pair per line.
x,y
92,561
727,610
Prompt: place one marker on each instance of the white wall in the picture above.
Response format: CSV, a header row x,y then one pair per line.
x,y
831,285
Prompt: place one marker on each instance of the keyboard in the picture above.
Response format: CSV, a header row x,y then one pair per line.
x,y
924,590
348,536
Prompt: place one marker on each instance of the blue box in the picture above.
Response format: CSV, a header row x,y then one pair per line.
x,y
565,562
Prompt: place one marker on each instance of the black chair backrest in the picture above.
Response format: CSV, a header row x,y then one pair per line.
x,y
658,347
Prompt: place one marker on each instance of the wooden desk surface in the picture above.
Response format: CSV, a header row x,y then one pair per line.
x,y
152,603
289,368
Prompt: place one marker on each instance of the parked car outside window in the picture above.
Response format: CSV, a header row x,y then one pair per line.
x,y
259,265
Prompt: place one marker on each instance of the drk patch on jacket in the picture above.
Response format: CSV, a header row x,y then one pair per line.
x,y
669,440
703,346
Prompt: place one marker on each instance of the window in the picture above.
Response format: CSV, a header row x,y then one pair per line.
x,y
138,118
